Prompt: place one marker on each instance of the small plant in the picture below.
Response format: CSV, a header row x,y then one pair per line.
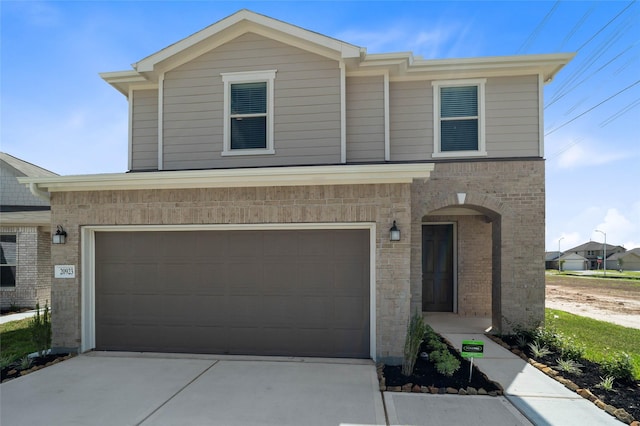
x,y
5,360
619,367
539,351
606,383
40,327
25,362
570,349
416,330
521,341
569,366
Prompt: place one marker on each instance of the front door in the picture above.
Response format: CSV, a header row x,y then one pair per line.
x,y
437,268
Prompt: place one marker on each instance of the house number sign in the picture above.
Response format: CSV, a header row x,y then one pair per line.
x,y
64,271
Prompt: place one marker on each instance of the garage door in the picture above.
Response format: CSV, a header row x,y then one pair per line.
x,y
276,292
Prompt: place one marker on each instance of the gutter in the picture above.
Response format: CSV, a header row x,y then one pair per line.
x,y
35,190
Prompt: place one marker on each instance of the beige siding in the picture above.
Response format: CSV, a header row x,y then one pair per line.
x,y
511,114
365,119
306,116
144,150
411,120
512,117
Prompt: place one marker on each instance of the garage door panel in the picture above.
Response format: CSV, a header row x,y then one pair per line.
x,y
276,292
315,275
350,311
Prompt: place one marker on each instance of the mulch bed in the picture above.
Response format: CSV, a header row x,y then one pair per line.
x,y
428,379
625,395
15,369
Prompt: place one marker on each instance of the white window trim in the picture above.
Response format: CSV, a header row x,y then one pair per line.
x,y
267,76
437,152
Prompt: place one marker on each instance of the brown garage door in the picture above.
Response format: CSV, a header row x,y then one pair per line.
x,y
277,292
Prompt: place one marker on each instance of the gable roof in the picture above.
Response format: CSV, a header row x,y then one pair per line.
x,y
593,245
23,167
403,65
572,256
551,255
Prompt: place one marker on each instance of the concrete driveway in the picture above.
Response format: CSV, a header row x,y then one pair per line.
x,y
126,389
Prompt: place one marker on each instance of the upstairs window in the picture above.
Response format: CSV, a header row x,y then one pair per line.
x,y
459,118
248,113
8,260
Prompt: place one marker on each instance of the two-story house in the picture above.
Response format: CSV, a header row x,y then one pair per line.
x,y
25,237
291,194
595,253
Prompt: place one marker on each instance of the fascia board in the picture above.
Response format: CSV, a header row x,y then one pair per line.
x,y
547,65
122,80
253,22
237,178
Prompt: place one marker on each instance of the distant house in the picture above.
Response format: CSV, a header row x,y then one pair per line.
x,y
551,259
573,262
25,237
626,261
594,252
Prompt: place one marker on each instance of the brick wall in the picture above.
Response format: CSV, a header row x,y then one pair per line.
x,y
33,269
510,195
380,204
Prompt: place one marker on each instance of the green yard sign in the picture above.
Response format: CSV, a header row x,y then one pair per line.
x,y
472,349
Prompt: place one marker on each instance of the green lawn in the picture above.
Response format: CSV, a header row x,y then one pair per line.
x,y
601,339
15,340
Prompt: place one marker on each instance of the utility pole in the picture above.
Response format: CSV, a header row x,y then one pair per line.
x,y
559,254
604,256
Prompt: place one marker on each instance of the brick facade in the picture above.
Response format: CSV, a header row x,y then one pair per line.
x,y
500,249
33,269
497,248
379,204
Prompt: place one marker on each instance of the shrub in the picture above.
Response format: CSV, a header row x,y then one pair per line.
x,y
570,349
619,367
415,333
40,327
606,383
446,364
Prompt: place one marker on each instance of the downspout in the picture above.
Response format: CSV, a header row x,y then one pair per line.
x,y
33,187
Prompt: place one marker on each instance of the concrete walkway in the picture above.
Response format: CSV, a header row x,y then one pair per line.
x,y
16,317
541,399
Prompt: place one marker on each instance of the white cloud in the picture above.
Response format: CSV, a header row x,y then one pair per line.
x,y
621,230
585,155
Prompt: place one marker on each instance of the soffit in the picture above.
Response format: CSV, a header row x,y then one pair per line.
x,y
237,178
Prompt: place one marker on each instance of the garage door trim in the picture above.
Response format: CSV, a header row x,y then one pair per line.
x,y
88,323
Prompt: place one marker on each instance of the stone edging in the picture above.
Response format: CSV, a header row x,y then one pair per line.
x,y
619,413
37,367
411,388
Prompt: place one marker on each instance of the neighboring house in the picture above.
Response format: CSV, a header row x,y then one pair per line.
x,y
267,166
594,252
573,262
626,261
25,237
551,259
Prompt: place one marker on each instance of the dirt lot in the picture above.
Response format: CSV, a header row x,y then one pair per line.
x,y
611,300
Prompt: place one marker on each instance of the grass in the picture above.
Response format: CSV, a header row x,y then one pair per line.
x,y
15,340
601,339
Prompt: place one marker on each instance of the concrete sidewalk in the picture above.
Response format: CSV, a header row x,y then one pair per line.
x,y
16,317
541,399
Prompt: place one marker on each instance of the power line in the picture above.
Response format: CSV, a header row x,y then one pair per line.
x,y
538,29
606,25
591,109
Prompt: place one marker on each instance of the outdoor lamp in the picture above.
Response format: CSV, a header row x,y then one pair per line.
x,y
394,232
60,237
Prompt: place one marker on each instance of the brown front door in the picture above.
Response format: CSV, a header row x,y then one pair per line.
x,y
437,268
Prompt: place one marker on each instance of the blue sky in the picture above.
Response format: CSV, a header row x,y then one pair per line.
x,y
56,111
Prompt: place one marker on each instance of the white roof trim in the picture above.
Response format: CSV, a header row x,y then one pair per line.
x,y
346,50
237,178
